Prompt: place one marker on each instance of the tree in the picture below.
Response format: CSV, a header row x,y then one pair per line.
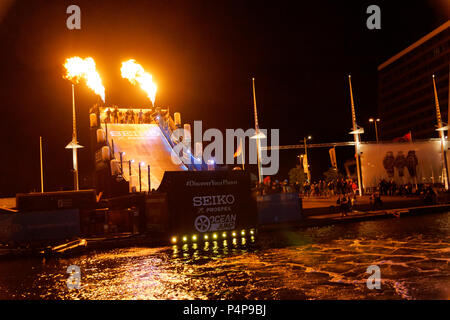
x,y
332,174
297,175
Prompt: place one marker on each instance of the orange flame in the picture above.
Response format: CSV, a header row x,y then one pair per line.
x,y
137,75
78,68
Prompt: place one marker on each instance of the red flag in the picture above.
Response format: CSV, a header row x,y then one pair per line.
x,y
406,138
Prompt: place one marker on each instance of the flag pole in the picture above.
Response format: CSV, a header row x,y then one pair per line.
x,y
356,136
441,136
74,143
42,168
258,143
242,156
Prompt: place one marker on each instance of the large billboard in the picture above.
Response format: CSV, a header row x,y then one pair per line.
x,y
409,162
209,201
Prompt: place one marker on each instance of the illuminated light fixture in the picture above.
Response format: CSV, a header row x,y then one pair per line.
x,y
243,232
224,235
206,237
357,131
194,237
259,135
174,239
215,235
233,234
252,232
211,161
185,238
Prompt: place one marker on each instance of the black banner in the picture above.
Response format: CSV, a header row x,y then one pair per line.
x,y
205,202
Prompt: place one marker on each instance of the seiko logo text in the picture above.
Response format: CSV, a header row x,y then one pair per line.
x,y
213,200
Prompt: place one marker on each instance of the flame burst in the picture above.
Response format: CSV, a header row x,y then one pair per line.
x,y
137,75
78,68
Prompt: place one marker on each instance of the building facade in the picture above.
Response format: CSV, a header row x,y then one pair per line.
x,y
405,87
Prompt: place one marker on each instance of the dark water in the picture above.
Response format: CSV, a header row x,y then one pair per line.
x,y
318,263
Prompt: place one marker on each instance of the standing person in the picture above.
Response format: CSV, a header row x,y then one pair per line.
x,y
141,117
354,188
108,116
116,115
344,206
132,117
148,118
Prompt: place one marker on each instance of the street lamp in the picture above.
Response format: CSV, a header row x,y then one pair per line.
x,y
300,158
376,128
308,173
74,143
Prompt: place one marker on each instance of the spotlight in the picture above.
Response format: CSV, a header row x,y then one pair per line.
x,y
174,239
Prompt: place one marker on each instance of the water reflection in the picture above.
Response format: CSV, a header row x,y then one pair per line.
x,y
317,263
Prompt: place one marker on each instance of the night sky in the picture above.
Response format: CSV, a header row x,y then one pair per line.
x,y
202,55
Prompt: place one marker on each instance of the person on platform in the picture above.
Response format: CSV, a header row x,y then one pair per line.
x,y
141,117
148,117
108,116
344,206
116,115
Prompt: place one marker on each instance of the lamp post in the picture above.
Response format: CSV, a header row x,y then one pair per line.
x,y
300,159
376,128
42,169
441,129
74,143
308,173
258,135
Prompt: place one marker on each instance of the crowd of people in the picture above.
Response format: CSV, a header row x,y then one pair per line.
x,y
390,188
129,116
116,115
271,187
326,189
